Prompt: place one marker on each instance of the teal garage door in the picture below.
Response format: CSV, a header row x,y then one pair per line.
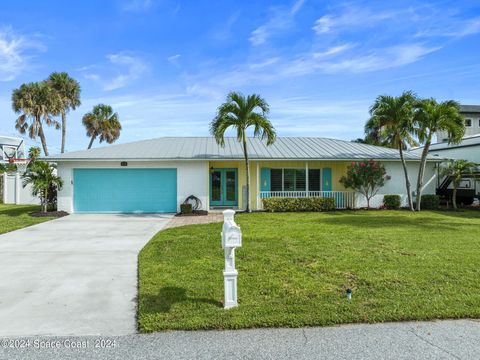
x,y
125,190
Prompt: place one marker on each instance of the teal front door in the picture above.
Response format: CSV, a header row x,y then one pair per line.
x,y
223,187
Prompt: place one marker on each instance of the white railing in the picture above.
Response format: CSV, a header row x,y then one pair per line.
x,y
343,199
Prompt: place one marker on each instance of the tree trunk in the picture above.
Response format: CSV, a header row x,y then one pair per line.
x,y
64,131
421,171
454,197
407,180
45,201
91,142
41,134
247,169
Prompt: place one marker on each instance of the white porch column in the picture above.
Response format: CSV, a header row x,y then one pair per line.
x,y
306,178
258,186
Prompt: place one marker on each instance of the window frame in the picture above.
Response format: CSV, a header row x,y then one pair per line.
x,y
295,177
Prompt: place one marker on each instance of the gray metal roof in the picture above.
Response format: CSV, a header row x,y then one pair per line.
x,y
205,148
470,108
468,141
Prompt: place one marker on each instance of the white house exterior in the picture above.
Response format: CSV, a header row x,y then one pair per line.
x,y
471,113
11,183
157,175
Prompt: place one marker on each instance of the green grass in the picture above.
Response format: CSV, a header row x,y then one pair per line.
x,y
14,217
294,269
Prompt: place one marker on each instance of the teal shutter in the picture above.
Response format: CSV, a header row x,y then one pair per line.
x,y
327,179
265,179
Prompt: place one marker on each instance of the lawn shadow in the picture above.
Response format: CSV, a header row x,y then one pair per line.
x,y
19,210
170,295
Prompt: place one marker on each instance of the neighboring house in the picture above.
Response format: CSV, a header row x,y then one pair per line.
x,y
472,122
11,187
467,149
157,175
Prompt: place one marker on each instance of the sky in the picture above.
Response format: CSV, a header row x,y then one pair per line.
x,y
166,65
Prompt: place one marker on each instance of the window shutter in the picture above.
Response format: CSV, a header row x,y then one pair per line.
x,y
327,179
265,179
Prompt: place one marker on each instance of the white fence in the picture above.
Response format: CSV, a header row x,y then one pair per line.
x,y
343,199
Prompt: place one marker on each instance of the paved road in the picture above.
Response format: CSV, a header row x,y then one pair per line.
x,y
75,275
452,339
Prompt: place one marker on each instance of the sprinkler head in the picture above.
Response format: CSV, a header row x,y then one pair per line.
x,y
349,294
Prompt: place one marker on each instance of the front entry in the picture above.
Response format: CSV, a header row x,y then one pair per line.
x,y
223,187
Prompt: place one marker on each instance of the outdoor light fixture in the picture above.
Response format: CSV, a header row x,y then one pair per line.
x,y
349,294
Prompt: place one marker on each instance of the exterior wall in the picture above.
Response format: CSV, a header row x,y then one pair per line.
x,y
15,193
470,153
396,185
474,129
191,178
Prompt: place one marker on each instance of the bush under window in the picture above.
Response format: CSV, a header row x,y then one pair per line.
x,y
298,204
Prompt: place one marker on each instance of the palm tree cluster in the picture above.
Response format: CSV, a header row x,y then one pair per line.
x,y
406,120
38,103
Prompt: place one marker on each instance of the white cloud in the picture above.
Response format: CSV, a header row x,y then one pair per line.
x,y
15,53
281,19
174,59
451,27
128,69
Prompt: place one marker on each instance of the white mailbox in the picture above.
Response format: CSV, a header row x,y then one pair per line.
x,y
231,239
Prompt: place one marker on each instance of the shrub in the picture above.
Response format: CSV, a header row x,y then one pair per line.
x,y
430,202
298,204
392,202
186,208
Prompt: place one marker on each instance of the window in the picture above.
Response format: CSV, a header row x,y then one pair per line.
x,y
468,122
294,180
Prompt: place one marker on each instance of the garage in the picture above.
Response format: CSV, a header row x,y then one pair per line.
x,y
125,190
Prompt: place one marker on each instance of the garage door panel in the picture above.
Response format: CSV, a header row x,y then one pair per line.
x,y
125,190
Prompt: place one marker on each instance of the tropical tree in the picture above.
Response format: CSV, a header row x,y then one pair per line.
x,y
36,103
366,177
430,117
68,90
240,113
41,176
391,119
103,123
457,169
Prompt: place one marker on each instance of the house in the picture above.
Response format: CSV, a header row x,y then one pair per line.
x,y
157,175
472,122
12,191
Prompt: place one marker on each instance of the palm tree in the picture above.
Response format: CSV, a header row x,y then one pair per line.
x,y
430,117
103,123
456,169
68,89
36,102
41,176
391,118
240,113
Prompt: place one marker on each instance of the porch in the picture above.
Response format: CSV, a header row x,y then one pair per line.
x,y
343,199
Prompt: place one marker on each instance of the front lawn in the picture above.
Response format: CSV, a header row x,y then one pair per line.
x,y
294,269
13,217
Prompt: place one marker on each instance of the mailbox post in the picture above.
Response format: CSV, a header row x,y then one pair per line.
x,y
231,239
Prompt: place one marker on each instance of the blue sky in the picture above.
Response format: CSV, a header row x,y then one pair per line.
x,y
166,65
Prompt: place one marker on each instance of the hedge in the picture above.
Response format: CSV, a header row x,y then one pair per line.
x,y
430,202
392,202
298,204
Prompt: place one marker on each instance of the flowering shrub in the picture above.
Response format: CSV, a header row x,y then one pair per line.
x,y
366,177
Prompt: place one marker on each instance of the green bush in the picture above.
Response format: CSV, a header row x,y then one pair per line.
x,y
186,208
392,202
430,202
298,204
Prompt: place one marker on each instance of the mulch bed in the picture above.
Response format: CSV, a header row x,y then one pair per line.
x,y
194,213
57,214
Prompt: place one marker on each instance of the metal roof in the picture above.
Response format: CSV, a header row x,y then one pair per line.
x,y
468,141
205,148
470,108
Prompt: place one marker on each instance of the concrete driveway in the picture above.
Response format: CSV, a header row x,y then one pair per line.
x,y
76,275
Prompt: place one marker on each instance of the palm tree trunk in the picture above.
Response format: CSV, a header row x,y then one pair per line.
x,y
45,201
247,171
454,197
421,171
41,134
64,130
407,180
91,142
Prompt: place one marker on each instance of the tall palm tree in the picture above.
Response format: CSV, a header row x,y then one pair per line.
x,y
392,118
68,89
241,112
103,123
37,102
457,169
430,117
